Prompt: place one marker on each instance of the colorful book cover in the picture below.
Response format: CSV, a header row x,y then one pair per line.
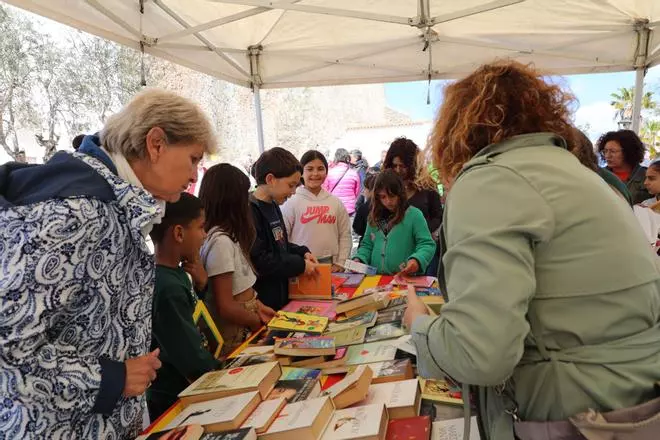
x,y
371,352
384,331
353,423
211,337
441,391
410,428
353,280
390,316
349,336
293,373
367,319
418,281
428,291
312,286
316,308
338,280
296,390
298,322
306,343
356,266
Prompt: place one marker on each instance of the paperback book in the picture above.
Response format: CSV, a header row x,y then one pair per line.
x,y
264,415
301,420
292,373
351,389
318,286
384,331
315,346
387,316
410,428
222,383
218,414
367,320
439,390
387,371
296,390
402,398
316,308
367,422
349,336
371,352
234,434
298,322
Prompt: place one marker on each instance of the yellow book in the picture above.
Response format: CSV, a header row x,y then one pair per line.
x,y
298,322
212,338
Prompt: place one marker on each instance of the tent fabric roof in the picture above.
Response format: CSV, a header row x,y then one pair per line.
x,y
290,43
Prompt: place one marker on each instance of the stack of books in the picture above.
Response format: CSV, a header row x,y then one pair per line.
x,y
321,369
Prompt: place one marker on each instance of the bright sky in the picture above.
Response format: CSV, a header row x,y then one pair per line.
x,y
593,93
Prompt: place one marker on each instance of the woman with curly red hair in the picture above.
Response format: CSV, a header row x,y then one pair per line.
x,y
547,316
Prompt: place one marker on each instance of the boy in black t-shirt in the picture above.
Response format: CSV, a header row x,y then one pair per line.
x,y
177,240
276,260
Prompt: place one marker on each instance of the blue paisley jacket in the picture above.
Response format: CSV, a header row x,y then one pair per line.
x,y
76,285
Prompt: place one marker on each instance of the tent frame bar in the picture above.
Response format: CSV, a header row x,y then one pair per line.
x,y
221,21
256,83
112,16
204,41
320,10
641,59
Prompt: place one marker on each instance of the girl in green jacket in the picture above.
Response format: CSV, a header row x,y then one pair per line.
x,y
397,239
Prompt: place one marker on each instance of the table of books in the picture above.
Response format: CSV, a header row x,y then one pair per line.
x,y
324,369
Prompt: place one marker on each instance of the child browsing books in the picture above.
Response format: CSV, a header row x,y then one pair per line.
x,y
316,218
397,239
275,259
177,240
652,185
225,254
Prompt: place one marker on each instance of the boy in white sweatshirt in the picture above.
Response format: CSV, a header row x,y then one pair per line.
x,y
315,218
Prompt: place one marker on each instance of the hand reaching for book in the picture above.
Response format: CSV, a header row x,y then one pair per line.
x,y
310,268
416,307
265,313
140,372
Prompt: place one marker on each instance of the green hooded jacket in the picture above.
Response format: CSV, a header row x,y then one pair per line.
x,y
408,239
533,237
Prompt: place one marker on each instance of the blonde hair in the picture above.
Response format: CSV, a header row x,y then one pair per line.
x,y
495,102
182,120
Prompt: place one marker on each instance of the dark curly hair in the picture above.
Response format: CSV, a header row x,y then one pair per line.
x,y
406,150
632,146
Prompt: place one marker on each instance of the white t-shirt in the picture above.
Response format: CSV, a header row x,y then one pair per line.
x,y
220,254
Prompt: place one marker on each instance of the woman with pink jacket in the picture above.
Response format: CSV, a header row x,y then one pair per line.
x,y
343,181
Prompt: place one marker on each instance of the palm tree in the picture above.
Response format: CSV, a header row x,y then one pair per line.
x,y
651,137
622,101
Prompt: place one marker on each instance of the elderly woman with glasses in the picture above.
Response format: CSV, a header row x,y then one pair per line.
x,y
624,152
77,278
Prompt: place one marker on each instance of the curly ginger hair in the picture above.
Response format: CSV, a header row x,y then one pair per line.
x,y
494,103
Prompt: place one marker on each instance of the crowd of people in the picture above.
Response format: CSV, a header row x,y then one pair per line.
x,y
554,291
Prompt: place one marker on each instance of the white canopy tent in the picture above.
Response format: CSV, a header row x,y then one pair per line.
x,y
292,43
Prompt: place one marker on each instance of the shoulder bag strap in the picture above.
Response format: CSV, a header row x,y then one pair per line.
x,y
337,182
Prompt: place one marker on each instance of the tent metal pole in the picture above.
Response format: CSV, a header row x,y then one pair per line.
x,y
260,123
638,95
641,59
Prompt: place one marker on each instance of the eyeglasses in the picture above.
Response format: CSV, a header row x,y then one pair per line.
x,y
612,152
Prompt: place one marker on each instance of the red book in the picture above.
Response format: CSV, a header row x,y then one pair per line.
x,y
411,428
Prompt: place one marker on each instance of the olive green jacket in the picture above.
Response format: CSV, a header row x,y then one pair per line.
x,y
531,233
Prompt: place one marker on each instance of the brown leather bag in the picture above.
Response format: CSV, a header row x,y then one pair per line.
x,y
641,422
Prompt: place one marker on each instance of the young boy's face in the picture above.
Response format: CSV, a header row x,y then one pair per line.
x,y
194,236
282,188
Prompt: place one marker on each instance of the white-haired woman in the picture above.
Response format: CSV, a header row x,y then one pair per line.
x,y
76,277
